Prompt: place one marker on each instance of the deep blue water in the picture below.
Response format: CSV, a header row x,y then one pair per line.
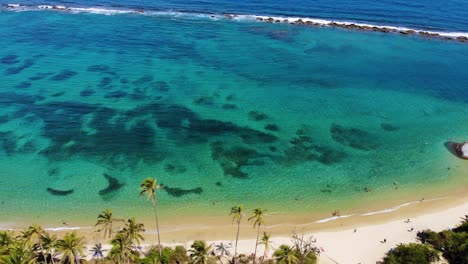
x,y
450,15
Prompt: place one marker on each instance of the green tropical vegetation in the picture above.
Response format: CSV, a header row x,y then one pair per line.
x,y
450,244
412,254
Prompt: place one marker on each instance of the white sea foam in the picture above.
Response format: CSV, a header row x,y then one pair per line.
x,y
101,11
65,228
333,218
235,17
388,210
394,208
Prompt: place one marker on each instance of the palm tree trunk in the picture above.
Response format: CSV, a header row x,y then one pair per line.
x,y
237,238
110,230
157,224
256,244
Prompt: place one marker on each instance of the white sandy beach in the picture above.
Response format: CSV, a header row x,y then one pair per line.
x,y
363,246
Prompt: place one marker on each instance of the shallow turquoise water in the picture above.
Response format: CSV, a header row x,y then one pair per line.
x,y
221,112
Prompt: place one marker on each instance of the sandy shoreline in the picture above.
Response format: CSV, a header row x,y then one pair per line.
x,y
360,243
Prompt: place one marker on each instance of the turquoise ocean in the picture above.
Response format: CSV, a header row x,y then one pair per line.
x,y
220,111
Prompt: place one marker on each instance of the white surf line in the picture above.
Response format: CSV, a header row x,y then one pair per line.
x,y
306,21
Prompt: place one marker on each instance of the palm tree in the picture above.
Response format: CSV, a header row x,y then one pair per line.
x,y
32,236
106,220
6,239
257,216
71,247
122,249
133,230
237,212
20,253
285,255
48,245
265,240
97,251
148,188
199,252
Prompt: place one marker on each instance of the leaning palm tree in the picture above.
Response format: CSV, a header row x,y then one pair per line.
x,y
265,240
106,220
237,212
97,252
71,247
122,250
148,188
199,252
257,217
133,230
285,255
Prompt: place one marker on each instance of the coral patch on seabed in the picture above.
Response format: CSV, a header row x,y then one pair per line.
x,y
114,185
9,59
353,137
389,127
232,160
63,75
60,192
178,192
257,116
15,70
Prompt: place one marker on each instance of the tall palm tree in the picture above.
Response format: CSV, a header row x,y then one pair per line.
x,y
199,252
133,230
106,220
265,240
285,255
237,213
71,247
97,251
257,217
148,188
122,250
